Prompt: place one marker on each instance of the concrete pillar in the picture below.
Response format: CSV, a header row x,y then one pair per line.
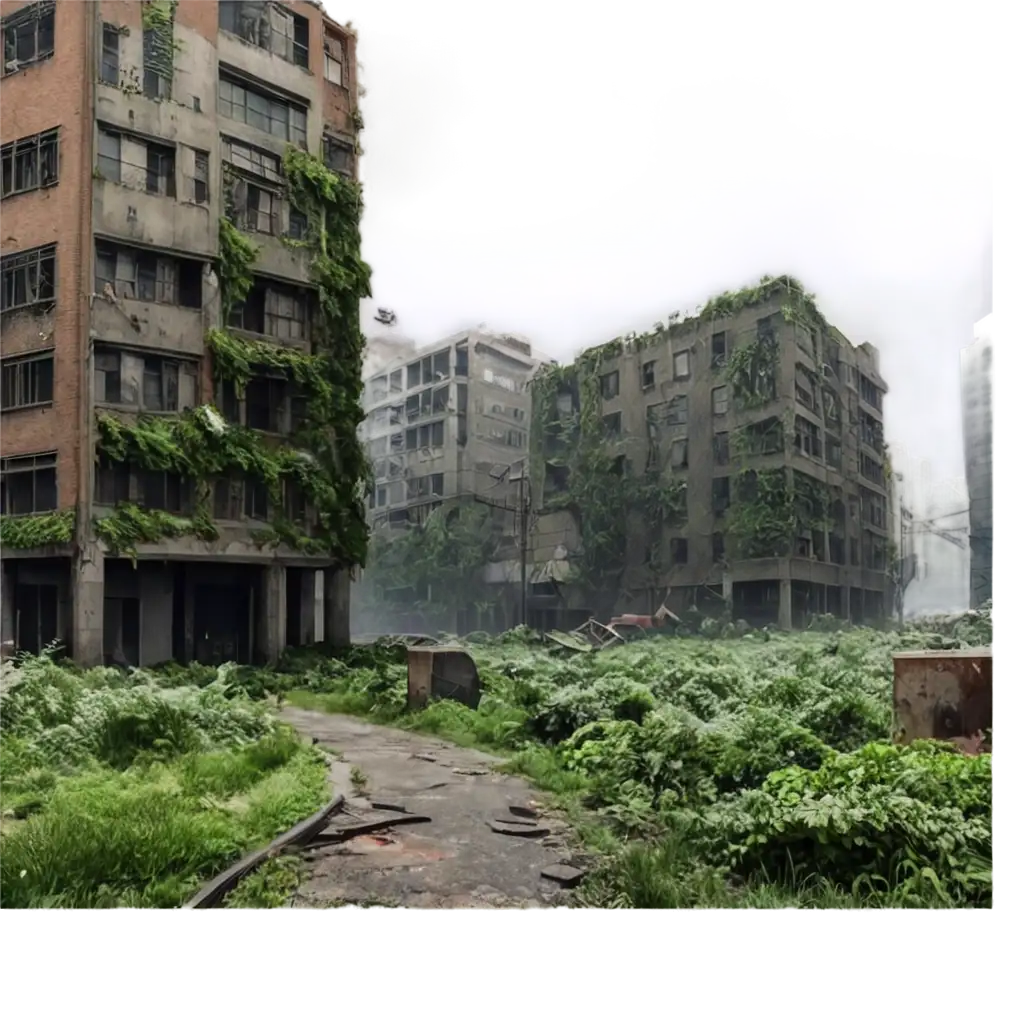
x,y
7,624
337,588
272,628
87,607
844,602
785,604
190,618
727,593
307,607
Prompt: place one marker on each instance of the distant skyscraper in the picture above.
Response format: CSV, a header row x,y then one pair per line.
x,y
976,401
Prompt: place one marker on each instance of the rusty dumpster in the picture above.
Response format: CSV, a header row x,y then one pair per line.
x,y
441,673
943,695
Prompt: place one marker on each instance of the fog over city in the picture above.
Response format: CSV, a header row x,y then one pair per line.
x,y
572,176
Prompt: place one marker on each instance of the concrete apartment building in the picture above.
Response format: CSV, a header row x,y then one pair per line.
x,y
448,422
670,416
129,130
976,401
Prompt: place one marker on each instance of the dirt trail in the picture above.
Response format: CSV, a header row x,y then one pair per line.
x,y
458,859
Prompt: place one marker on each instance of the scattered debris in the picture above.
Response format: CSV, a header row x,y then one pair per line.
x,y
469,771
564,874
522,831
522,812
424,757
379,805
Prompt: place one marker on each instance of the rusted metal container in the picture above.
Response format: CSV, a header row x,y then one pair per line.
x,y
943,695
441,673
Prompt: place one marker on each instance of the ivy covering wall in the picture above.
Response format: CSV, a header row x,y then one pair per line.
x,y
323,460
768,509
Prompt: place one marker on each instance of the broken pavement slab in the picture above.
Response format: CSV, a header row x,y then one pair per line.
x,y
520,831
564,874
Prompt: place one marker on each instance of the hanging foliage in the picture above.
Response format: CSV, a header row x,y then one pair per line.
x,y
39,530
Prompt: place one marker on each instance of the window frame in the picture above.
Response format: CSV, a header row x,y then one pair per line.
x,y
31,146
11,368
47,465
34,15
37,257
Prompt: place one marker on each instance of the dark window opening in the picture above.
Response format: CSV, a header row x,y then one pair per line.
x,y
462,360
28,483
262,111
28,278
720,495
148,276
113,482
613,424
160,170
721,446
30,163
718,548
28,36
165,491
720,400
339,155
679,550
199,180
807,438
158,58
26,381
36,616
265,403
610,385
268,26
718,349
680,453
110,57
276,310
647,375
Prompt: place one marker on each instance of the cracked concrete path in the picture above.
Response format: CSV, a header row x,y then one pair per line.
x,y
457,859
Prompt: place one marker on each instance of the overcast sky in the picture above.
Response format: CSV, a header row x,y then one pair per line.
x,y
571,171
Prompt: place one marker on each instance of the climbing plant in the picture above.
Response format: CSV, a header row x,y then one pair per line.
x,y
39,530
324,459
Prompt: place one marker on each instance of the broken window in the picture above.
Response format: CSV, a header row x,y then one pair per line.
x,y
262,111
336,60
28,36
677,411
718,547
30,163
277,310
132,273
339,155
153,383
647,375
610,385
681,365
128,160
160,170
830,406
268,26
262,212
197,174
28,278
110,57
28,483
255,161
680,453
807,438
613,425
720,400
27,380
113,482
679,550
158,55
718,349
165,491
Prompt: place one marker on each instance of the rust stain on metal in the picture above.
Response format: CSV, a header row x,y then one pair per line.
x,y
943,695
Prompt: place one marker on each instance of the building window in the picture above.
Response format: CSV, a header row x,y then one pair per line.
x,y
147,276
610,385
28,278
833,452
721,446
158,58
677,413
680,453
110,57
298,225
871,470
718,349
165,491
198,181
679,550
613,425
113,482
271,27
681,365
37,616
808,438
153,383
255,161
265,402
26,381
30,163
28,36
136,163
235,498
262,211
647,375
259,110
805,389
720,495
720,400
339,155
28,484
335,60
279,311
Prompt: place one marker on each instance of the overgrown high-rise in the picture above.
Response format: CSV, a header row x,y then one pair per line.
x,y
181,349
733,460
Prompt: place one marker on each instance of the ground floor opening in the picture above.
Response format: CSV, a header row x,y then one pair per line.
x,y
109,611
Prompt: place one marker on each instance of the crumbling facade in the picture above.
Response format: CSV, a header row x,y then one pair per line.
x,y
164,341
733,460
976,400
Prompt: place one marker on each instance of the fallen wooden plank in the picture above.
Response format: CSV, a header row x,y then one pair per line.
x,y
213,892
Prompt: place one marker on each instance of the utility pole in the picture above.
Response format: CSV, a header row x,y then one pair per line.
x,y
524,512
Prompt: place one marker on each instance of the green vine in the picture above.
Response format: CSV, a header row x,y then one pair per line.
x,y
35,531
324,460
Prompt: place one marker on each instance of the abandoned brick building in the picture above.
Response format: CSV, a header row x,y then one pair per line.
x,y
130,131
745,468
